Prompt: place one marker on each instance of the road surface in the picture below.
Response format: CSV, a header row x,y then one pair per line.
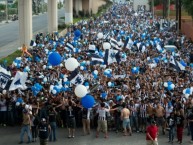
x,y
9,33
10,136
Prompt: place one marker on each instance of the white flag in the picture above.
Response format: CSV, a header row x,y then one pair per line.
x,y
78,80
19,81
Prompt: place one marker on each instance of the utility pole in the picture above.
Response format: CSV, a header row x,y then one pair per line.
x,y
177,16
42,4
168,9
6,11
165,9
153,12
180,13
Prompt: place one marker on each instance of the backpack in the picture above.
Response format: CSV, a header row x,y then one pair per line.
x,y
36,120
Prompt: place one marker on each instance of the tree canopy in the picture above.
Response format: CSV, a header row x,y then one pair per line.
x,y
188,5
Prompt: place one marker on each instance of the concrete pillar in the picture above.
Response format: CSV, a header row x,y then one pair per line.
x,y
74,5
90,6
25,21
85,5
68,11
78,6
52,16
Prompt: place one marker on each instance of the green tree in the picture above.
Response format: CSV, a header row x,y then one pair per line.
x,y
188,5
2,7
15,4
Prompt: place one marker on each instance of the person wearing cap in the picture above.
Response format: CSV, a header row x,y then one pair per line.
x,y
44,131
152,134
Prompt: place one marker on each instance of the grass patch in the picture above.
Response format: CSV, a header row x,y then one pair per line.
x,y
10,58
75,20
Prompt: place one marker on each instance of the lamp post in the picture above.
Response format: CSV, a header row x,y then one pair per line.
x,y
177,16
180,13
6,11
168,9
153,12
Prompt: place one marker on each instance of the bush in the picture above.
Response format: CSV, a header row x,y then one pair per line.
x,y
87,14
62,26
81,13
12,11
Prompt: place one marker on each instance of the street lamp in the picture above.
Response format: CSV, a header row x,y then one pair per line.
x,y
168,9
180,13
177,20
153,12
6,11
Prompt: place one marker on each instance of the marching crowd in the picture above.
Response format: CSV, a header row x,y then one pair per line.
x,y
131,87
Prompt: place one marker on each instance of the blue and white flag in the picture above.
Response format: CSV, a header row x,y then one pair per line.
x,y
176,64
115,44
19,81
112,56
5,77
126,42
129,44
96,59
92,48
106,36
78,80
69,46
33,43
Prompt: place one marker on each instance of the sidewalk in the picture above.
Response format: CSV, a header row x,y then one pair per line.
x,y
9,21
61,133
4,22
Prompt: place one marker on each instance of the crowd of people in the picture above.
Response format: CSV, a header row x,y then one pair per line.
x,y
127,99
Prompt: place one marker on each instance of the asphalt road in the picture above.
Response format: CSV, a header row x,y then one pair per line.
x,y
9,33
10,136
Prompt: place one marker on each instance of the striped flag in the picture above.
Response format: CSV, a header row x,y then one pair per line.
x,y
92,48
96,59
70,46
115,44
106,36
112,56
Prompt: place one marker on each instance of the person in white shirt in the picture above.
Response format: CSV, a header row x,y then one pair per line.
x,y
102,120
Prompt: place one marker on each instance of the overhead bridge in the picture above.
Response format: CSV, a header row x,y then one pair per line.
x,y
25,15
